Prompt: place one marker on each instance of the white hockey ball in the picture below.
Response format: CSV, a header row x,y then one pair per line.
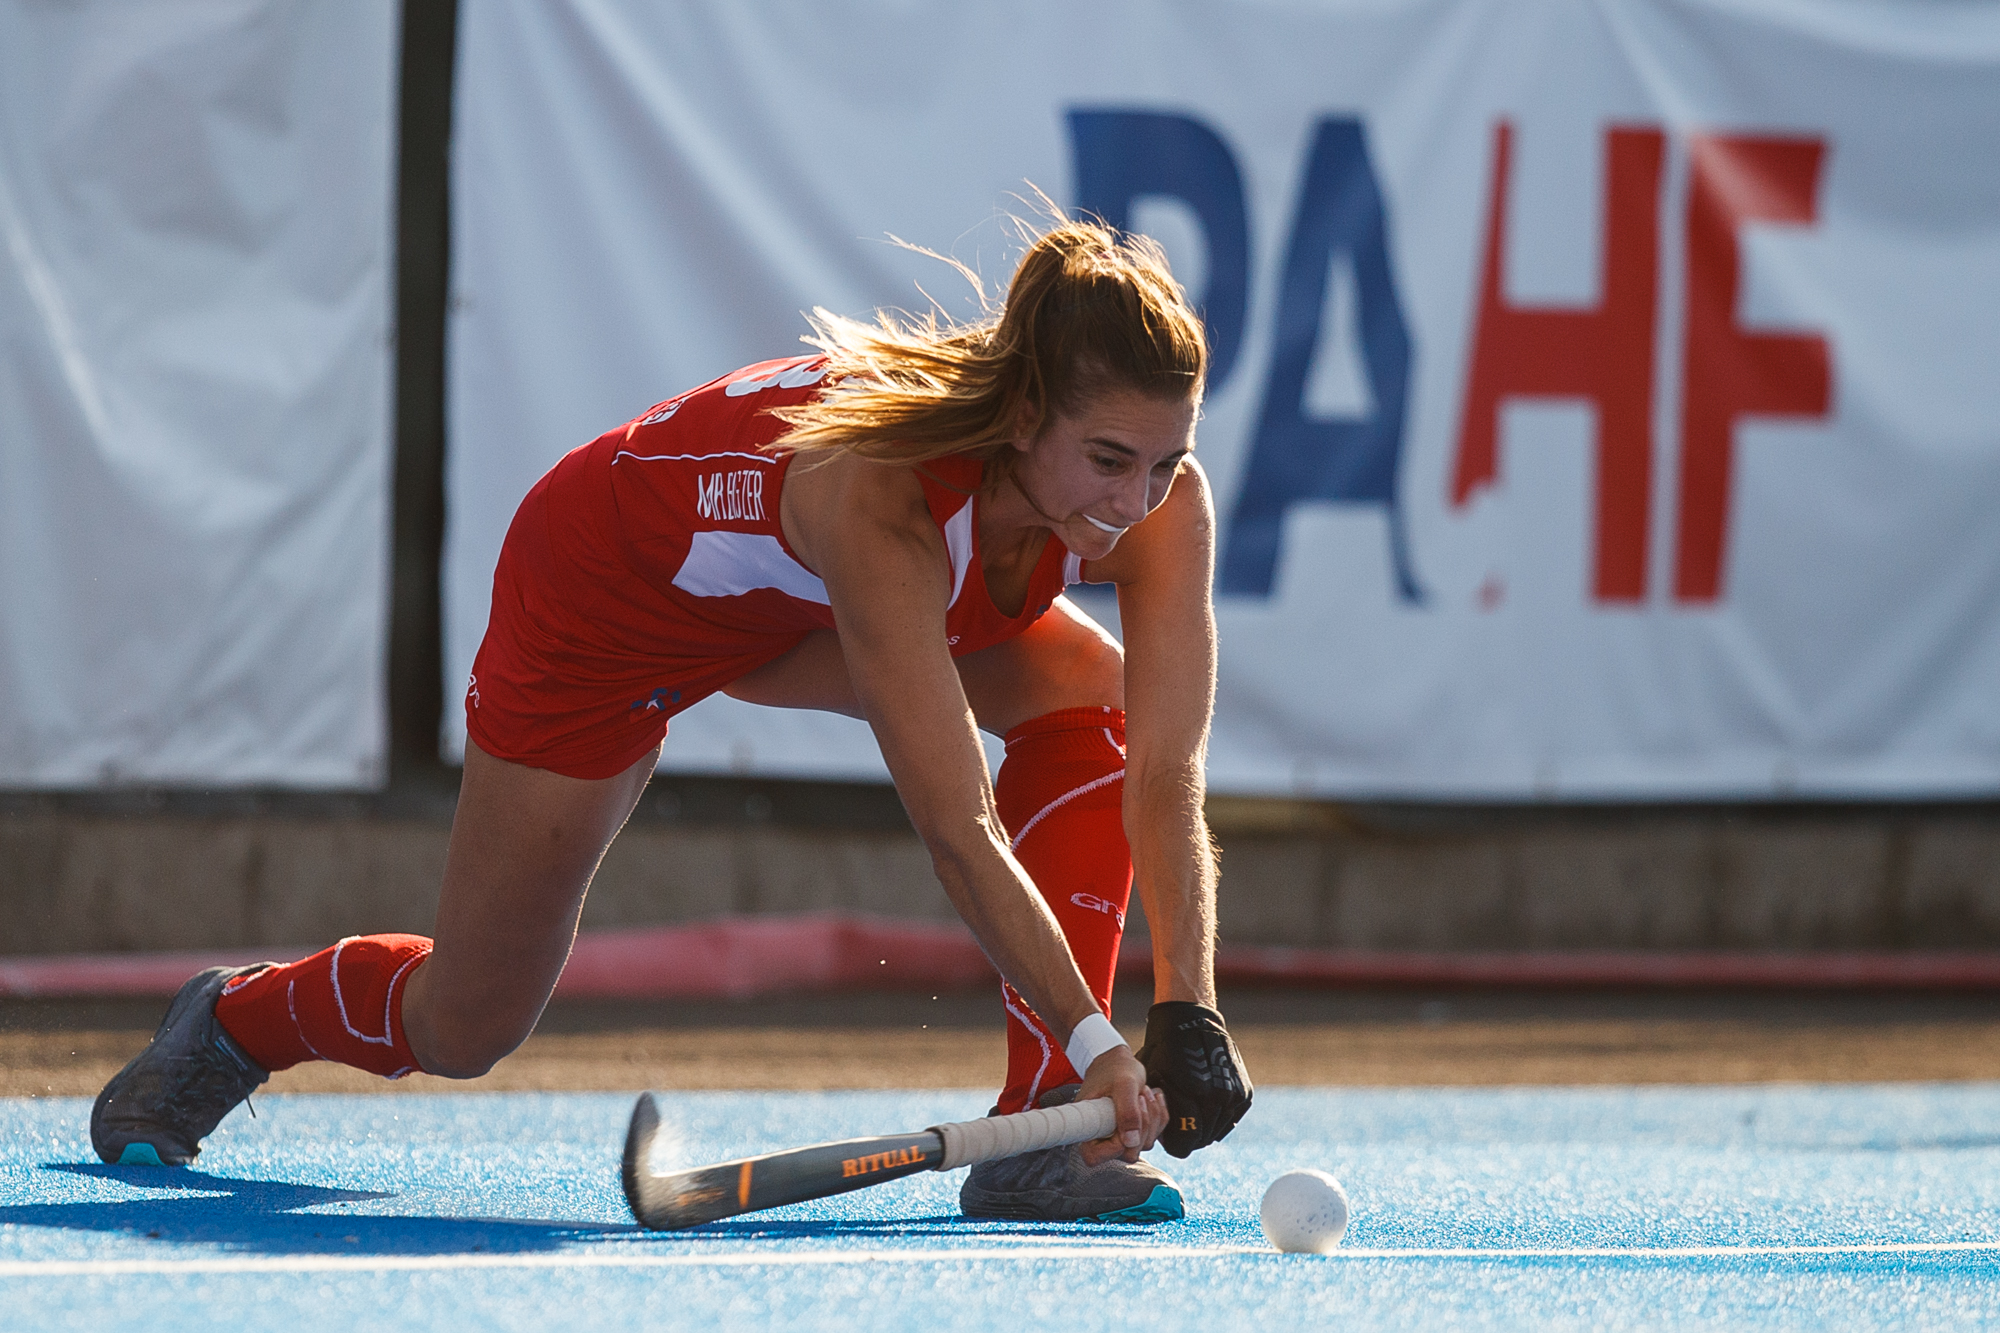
x,y
1304,1212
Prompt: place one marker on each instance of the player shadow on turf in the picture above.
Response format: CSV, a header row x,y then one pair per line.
x,y
266,1216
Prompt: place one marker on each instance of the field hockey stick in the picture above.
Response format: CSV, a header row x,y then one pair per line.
x,y
670,1200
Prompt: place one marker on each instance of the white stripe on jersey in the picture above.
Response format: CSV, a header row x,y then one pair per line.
x,y
698,458
958,542
1072,568
796,373
729,564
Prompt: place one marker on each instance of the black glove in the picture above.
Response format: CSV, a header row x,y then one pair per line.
x,y
1188,1055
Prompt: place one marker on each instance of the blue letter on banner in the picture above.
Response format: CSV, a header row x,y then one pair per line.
x,y
1126,155
1295,457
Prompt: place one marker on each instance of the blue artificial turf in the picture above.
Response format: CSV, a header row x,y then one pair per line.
x,y
1491,1208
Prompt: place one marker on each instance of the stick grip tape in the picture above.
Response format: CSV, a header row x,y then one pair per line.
x,y
972,1141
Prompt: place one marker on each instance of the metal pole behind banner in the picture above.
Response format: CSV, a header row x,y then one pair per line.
x,y
423,216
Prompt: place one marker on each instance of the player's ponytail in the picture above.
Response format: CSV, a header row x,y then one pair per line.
x,y
1088,310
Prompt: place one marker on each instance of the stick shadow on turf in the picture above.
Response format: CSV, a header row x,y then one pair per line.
x,y
953,1225
265,1216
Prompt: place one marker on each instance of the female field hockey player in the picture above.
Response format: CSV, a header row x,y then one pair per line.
x,y
883,529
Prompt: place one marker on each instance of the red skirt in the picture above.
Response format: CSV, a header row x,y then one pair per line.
x,y
583,663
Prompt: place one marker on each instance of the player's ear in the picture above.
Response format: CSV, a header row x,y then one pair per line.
x,y
1028,423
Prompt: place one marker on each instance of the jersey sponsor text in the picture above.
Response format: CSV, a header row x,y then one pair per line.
x,y
730,496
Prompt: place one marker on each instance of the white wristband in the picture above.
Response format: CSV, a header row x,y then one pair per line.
x,y
1090,1039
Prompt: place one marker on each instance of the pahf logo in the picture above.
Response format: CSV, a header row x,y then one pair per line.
x,y
1602,354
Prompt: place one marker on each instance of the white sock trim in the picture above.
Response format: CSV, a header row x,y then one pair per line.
x,y
1007,997
1090,1039
1063,800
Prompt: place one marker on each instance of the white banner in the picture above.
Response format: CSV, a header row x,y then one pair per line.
x,y
1605,400
194,374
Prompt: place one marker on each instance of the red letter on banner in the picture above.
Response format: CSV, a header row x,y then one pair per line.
x,y
1729,373
1603,353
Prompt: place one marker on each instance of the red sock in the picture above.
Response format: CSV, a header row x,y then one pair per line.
x,y
1060,794
343,1004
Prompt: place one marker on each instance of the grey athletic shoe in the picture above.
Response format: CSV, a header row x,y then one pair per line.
x,y
157,1109
1054,1185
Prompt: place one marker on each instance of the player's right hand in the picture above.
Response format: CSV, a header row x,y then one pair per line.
x,y
1142,1111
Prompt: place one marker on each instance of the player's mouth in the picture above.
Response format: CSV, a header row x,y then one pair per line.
x,y
1111,528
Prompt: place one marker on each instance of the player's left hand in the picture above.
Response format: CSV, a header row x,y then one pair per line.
x,y
1188,1055
1142,1110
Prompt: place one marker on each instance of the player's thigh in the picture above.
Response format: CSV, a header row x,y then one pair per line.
x,y
1063,660
524,844
812,675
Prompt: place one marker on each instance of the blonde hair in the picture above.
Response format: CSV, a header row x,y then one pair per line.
x,y
1088,310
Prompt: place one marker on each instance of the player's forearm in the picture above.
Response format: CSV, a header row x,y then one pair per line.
x,y
1173,863
1015,928
928,738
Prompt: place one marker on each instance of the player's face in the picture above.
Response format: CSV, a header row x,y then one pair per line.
x,y
1097,471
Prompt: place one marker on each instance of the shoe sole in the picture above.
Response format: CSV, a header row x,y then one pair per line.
x,y
1162,1205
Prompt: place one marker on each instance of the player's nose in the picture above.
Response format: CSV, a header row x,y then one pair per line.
x,y
1133,502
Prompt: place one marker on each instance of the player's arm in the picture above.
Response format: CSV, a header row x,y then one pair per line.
x,y
867,532
1164,569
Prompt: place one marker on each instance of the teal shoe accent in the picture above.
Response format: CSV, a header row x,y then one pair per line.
x,y
1162,1205
145,1154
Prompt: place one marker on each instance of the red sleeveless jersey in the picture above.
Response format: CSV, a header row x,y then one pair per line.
x,y
648,569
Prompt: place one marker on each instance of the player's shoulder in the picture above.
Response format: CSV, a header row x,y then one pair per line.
x,y
853,519
857,492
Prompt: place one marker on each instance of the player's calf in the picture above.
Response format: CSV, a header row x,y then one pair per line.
x,y
343,1004
1061,792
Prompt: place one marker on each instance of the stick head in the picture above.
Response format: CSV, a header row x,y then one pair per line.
x,y
649,1191
670,1200
640,1182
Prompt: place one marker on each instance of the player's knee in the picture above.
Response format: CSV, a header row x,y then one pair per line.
x,y
463,1060
1094,669
469,1050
